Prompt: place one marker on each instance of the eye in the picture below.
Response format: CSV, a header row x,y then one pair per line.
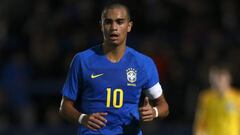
x,y
120,22
107,21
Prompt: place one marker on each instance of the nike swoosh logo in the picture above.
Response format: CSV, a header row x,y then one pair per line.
x,y
95,76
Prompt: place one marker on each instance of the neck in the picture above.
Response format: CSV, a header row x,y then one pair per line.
x,y
114,52
223,90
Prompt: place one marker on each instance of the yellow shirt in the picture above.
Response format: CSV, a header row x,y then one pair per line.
x,y
218,114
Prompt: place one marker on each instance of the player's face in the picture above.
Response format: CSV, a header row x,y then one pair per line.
x,y
220,79
115,26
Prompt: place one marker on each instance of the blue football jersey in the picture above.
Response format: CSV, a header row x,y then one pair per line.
x,y
98,85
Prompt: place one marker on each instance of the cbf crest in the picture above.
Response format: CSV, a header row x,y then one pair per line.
x,y
131,76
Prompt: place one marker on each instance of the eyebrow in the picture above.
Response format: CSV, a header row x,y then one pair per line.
x,y
118,19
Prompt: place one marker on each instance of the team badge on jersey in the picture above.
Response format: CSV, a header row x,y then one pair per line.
x,y
131,76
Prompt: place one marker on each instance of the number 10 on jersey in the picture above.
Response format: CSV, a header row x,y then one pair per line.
x,y
117,94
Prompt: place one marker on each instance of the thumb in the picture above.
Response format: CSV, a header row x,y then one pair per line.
x,y
146,102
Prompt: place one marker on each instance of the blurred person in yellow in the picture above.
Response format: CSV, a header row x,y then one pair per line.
x,y
218,110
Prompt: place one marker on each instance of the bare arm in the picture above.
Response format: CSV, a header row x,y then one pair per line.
x,y
92,121
68,111
162,106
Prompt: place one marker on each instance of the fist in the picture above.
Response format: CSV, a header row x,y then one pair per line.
x,y
147,113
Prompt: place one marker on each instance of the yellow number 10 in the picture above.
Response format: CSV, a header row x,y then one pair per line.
x,y
116,93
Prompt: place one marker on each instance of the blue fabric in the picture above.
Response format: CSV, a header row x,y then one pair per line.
x,y
92,78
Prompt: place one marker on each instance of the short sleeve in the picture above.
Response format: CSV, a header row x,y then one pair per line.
x,y
71,85
151,74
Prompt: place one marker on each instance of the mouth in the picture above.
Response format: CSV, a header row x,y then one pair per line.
x,y
113,36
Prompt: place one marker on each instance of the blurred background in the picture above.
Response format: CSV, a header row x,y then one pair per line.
x,y
38,39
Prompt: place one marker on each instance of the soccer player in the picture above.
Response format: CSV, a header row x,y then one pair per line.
x,y
104,83
218,111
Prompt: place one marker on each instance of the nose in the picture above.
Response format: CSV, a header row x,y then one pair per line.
x,y
113,26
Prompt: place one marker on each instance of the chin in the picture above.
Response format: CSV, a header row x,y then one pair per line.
x,y
115,43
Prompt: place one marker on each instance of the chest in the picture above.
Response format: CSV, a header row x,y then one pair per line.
x,y
127,77
223,105
117,83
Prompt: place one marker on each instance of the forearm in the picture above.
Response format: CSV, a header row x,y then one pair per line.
x,y
162,111
92,121
162,107
159,104
68,112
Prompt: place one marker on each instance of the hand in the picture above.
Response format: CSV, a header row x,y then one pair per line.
x,y
95,121
147,113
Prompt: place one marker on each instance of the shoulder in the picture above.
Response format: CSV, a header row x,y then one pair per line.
x,y
236,92
140,57
206,94
86,53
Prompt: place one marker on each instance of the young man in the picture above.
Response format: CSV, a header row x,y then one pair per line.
x,y
104,84
218,111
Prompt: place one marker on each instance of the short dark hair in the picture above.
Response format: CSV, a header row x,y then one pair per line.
x,y
221,67
115,5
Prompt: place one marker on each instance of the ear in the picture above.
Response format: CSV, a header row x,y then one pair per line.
x,y
130,24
